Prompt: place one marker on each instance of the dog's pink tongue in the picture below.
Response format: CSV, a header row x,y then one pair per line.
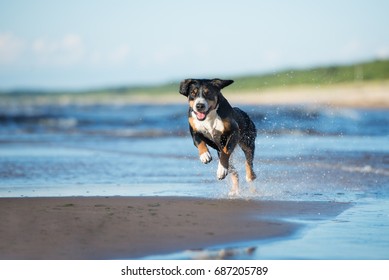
x,y
200,116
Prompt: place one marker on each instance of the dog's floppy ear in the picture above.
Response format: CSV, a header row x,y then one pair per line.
x,y
184,86
221,83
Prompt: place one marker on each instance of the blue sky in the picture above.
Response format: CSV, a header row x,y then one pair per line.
x,y
80,44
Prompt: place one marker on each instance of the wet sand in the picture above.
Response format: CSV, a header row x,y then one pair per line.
x,y
136,227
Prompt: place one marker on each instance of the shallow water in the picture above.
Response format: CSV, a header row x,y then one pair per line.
x,y
302,153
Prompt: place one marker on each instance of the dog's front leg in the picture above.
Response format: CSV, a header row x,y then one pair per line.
x,y
228,144
222,168
204,154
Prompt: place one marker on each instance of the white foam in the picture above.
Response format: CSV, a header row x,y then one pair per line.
x,y
365,169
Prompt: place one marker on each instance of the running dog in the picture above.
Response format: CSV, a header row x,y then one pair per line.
x,y
214,123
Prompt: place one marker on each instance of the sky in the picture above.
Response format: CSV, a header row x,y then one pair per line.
x,y
84,44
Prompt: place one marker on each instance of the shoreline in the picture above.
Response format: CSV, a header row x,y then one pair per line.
x,y
137,227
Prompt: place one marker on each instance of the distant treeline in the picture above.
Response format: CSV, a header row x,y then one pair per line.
x,y
319,76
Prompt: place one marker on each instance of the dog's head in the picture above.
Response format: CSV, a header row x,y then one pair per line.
x,y
203,95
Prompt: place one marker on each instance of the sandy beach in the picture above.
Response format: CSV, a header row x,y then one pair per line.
x,y
135,227
355,95
122,180
352,95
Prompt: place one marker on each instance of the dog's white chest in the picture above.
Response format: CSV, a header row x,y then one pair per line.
x,y
212,127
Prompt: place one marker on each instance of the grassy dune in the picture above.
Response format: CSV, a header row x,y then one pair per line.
x,y
330,76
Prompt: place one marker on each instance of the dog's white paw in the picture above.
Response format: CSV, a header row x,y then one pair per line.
x,y
234,193
249,179
205,157
221,172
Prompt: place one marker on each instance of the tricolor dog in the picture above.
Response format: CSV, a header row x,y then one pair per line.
x,y
214,123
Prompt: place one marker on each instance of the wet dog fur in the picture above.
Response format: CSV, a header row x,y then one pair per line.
x,y
214,123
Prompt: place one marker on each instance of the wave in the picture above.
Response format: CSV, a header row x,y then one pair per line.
x,y
158,120
366,169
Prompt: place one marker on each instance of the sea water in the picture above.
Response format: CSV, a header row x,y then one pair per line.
x,y
303,153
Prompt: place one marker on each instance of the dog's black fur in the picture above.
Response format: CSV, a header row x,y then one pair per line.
x,y
213,122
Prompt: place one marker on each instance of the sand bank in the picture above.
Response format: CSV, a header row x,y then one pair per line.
x,y
357,95
134,227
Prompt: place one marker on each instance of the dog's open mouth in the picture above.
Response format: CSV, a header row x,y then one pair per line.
x,y
200,115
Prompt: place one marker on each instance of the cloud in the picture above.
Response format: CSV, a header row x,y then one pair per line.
x,y
11,48
64,51
68,50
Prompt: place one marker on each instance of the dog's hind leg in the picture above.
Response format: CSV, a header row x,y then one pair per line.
x,y
235,181
249,154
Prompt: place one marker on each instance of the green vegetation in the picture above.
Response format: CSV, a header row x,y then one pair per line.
x,y
368,71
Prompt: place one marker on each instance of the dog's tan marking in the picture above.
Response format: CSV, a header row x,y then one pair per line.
x,y
250,174
191,123
226,151
226,124
202,148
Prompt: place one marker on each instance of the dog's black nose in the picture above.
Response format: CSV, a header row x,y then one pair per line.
x,y
200,106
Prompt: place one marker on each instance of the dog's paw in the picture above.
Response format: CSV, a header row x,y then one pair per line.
x,y
221,172
206,157
250,177
234,193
